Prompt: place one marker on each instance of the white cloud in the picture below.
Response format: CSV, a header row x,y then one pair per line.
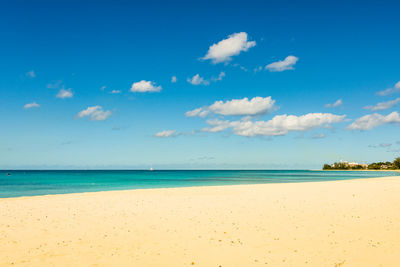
x,y
103,87
338,103
286,64
166,133
31,105
237,107
255,106
65,93
384,105
145,86
95,113
200,112
31,74
279,125
224,50
115,92
389,91
368,122
197,80
174,79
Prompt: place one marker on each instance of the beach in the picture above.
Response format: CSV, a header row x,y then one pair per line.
x,y
335,223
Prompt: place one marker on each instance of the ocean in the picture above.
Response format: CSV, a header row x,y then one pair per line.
x,y
34,183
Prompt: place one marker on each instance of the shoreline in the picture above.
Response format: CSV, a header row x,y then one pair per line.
x,y
201,186
281,224
363,170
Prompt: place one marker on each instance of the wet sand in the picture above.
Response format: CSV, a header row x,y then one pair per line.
x,y
337,223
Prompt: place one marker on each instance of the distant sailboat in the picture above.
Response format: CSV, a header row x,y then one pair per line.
x,y
151,169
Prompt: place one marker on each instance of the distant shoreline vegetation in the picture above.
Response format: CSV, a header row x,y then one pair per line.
x,y
395,165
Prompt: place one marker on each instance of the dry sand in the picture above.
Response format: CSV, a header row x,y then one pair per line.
x,y
341,223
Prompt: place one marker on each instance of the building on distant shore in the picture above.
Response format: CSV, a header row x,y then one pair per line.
x,y
349,165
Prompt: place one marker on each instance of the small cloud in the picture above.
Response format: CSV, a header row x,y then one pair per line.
x,y
65,93
338,103
286,64
200,112
174,79
167,133
66,143
385,145
119,128
54,84
371,121
145,86
30,74
94,113
115,92
31,105
384,105
224,50
203,158
389,91
103,88
258,69
318,136
197,80
240,67
219,78
397,150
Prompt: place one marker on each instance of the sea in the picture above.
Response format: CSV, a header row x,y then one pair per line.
x,y
17,183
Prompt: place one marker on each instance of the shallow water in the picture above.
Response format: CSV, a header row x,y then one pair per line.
x,y
32,183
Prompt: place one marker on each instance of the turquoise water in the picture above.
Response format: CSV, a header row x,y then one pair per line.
x,y
33,183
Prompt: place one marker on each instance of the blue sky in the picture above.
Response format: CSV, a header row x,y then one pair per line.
x,y
270,84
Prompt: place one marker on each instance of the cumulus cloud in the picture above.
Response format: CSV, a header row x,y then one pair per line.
x,y
279,125
31,105
94,113
65,93
174,79
286,64
392,90
31,74
371,121
197,80
224,50
255,106
237,107
166,133
115,92
384,105
338,103
145,86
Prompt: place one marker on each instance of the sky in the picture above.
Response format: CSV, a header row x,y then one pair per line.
x,y
198,84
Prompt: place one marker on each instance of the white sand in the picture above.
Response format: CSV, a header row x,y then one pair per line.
x,y
342,223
